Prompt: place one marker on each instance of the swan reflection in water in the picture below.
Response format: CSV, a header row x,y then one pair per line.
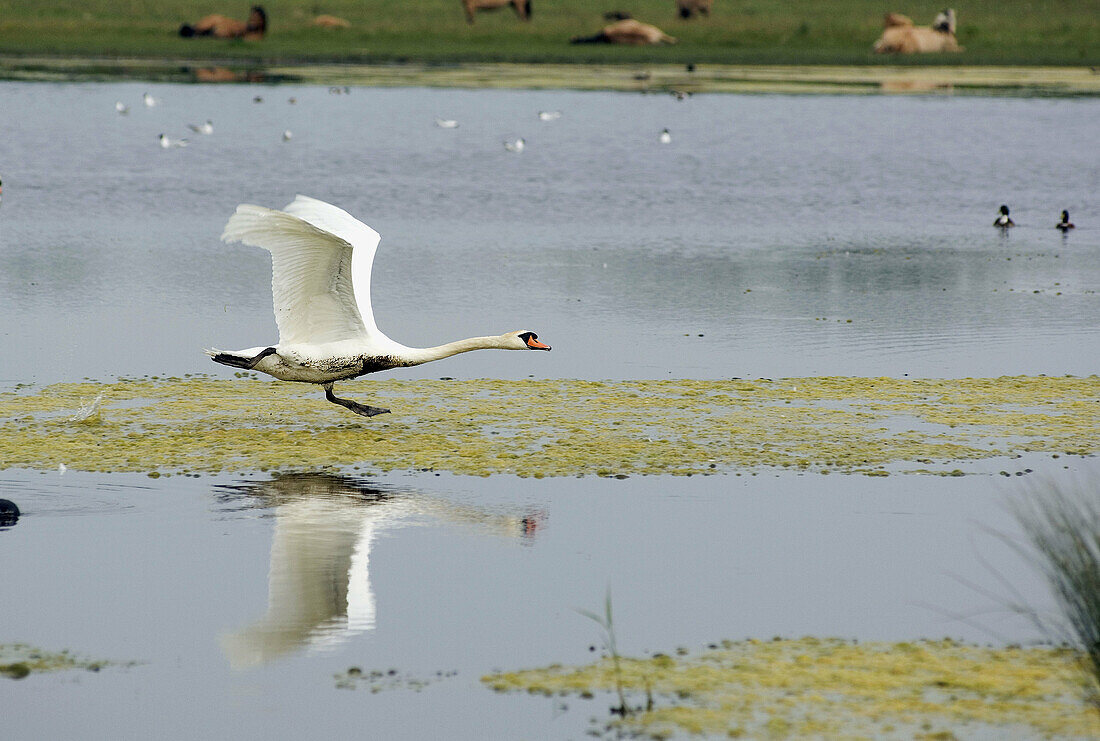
x,y
319,591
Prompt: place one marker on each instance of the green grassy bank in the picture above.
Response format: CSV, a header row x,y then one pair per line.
x,y
994,32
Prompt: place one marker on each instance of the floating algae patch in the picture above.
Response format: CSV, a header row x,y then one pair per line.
x,y
834,689
550,427
385,680
18,660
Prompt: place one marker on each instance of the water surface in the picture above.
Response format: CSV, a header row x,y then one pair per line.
x,y
776,236
800,235
244,597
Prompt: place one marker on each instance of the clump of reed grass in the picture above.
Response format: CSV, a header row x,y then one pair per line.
x,y
1063,527
606,622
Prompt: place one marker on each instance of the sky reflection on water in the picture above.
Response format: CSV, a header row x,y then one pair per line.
x,y
799,235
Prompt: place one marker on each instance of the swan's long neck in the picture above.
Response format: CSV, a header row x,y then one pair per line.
x,y
418,355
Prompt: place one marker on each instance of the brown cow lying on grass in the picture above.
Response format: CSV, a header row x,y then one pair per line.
x,y
900,36
629,31
690,8
331,21
221,27
522,7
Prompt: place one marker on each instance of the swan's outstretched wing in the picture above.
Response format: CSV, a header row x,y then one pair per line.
x,y
365,240
311,245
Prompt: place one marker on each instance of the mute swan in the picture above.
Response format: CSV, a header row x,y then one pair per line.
x,y
1065,225
1003,221
322,303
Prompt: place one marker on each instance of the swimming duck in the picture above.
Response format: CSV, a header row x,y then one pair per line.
x,y
321,293
1065,225
9,513
1003,221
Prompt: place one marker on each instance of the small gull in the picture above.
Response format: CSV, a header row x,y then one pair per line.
x,y
203,128
167,143
446,123
515,145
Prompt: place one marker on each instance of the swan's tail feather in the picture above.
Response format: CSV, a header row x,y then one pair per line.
x,y
228,358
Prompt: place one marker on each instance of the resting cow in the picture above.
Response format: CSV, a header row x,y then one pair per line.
x,y
689,8
900,36
629,31
221,27
522,7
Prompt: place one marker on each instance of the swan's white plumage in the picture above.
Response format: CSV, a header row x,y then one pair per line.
x,y
311,245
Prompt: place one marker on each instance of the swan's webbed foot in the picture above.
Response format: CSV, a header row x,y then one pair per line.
x,y
363,409
247,363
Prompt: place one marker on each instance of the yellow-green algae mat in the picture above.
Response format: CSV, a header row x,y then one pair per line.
x,y
18,660
829,688
549,427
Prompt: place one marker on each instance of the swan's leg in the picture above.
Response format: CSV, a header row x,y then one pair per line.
x,y
247,363
366,411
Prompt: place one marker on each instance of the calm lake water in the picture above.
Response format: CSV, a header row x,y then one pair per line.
x,y
776,236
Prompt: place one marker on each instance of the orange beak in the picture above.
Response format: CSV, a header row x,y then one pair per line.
x,y
536,345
